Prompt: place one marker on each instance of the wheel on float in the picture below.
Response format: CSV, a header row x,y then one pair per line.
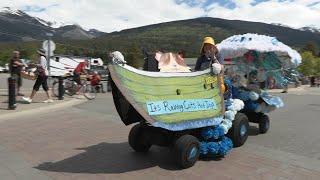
x,y
238,133
187,150
136,140
264,124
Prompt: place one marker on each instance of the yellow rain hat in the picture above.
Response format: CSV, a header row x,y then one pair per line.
x,y
207,40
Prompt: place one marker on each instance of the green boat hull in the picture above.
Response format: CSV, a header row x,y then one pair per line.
x,y
174,101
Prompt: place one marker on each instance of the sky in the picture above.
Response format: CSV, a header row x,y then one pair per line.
x,y
116,15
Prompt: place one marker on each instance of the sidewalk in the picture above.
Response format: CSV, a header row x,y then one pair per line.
x,y
36,106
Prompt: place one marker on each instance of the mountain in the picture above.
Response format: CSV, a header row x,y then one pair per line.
x,y
311,29
184,35
17,25
188,34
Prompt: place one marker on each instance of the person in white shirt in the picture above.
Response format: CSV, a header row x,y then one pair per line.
x,y
42,71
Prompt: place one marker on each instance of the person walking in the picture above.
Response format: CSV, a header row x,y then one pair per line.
x,y
42,72
15,67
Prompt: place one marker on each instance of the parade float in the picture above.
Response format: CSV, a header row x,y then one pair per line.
x,y
251,56
181,110
191,112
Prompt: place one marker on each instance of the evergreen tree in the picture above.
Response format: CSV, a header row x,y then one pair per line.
x,y
309,64
134,56
312,47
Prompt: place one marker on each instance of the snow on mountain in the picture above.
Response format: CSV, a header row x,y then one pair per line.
x,y
311,28
53,24
18,25
9,10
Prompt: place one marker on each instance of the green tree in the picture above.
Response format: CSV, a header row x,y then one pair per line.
x,y
317,67
133,56
5,57
309,64
312,47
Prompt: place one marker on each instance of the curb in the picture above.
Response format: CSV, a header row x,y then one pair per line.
x,y
48,108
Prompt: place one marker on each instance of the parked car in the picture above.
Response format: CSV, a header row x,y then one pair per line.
x,y
6,68
2,69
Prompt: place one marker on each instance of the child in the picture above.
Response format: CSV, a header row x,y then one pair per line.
x,y
95,80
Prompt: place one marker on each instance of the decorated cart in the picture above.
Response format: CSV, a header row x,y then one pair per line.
x,y
181,110
256,59
187,111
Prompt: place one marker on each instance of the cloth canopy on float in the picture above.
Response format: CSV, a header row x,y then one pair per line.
x,y
238,45
249,52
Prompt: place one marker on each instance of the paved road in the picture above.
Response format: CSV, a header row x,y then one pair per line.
x,y
27,84
89,141
295,128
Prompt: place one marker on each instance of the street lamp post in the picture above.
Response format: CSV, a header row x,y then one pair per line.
x,y
49,51
47,47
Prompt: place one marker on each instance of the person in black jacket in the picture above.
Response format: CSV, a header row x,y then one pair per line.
x,y
209,56
16,66
208,53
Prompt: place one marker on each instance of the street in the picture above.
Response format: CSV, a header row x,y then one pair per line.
x,y
89,141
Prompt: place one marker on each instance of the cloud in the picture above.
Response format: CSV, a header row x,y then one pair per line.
x,y
295,14
110,15
115,15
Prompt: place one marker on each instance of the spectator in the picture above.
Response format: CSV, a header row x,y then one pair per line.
x,y
42,72
15,67
312,81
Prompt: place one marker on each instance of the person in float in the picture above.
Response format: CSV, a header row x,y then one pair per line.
x,y
209,55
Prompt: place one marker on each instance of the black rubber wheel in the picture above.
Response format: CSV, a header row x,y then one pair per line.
x,y
239,130
89,92
136,140
109,86
186,150
264,124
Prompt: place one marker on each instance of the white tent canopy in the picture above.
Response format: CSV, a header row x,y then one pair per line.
x,y
238,45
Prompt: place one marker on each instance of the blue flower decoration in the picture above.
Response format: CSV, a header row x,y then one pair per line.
x,y
225,146
212,132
